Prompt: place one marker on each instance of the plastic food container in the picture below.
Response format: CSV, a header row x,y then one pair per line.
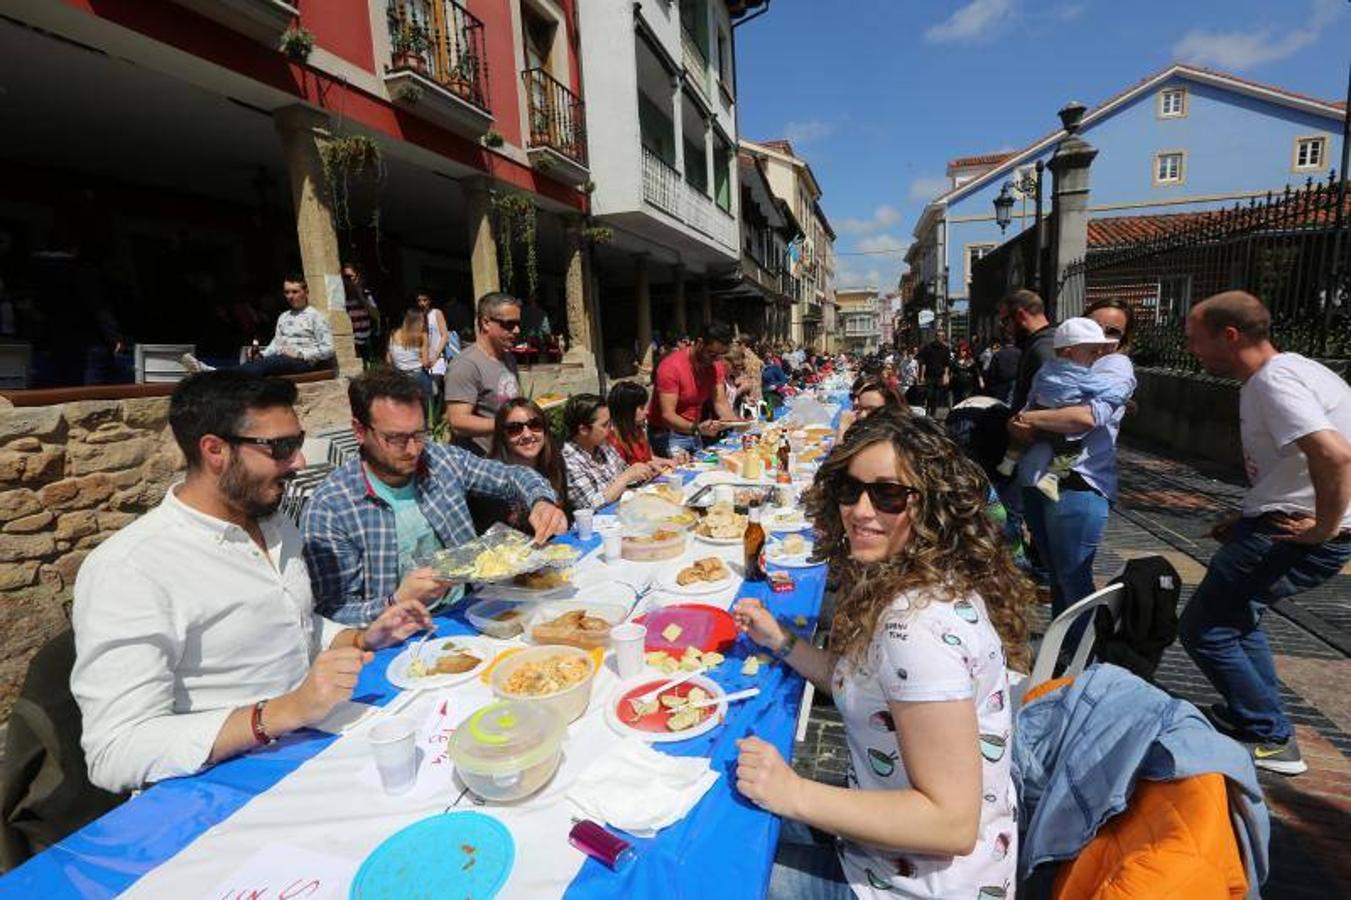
x,y
668,545
508,750
612,613
499,618
569,702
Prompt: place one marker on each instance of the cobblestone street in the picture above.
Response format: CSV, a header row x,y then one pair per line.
x,y
1165,508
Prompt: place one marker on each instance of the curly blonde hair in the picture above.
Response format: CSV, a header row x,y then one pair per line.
x,y
954,546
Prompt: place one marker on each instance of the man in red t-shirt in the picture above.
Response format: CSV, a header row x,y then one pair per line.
x,y
689,400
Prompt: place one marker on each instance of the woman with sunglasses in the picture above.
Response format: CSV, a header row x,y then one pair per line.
x,y
930,610
628,402
520,438
869,396
596,472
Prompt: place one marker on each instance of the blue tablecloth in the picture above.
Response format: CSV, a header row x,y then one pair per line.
x,y
723,848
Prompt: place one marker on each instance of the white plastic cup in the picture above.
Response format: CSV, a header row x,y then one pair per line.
x,y
582,519
394,743
613,546
628,640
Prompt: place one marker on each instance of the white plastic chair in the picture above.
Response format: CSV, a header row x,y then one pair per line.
x,y
161,363
1111,597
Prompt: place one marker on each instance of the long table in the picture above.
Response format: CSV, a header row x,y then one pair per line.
x,y
723,848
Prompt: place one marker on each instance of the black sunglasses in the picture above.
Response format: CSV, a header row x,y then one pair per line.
x,y
279,448
507,324
885,496
514,429
1112,331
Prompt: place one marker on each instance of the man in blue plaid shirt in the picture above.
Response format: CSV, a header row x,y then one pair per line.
x,y
402,498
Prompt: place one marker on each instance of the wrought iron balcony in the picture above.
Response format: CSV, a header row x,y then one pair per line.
x,y
665,189
696,63
557,122
437,47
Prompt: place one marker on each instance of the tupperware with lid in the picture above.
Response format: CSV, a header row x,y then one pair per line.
x,y
508,750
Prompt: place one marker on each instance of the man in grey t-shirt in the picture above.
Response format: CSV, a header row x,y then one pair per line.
x,y
483,377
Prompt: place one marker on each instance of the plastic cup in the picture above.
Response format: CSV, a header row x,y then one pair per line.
x,y
582,519
628,640
394,743
613,546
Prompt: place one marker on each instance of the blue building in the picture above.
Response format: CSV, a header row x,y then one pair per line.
x,y
1183,139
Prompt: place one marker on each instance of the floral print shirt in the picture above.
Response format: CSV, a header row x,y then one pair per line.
x,y
930,648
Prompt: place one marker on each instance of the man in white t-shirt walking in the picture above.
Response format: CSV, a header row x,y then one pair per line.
x,y
1294,532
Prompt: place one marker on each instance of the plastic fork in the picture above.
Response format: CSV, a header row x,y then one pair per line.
x,y
657,691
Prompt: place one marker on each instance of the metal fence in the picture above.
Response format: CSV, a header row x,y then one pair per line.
x,y
1290,249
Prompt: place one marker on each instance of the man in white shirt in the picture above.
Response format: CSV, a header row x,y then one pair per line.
x,y
1294,532
302,341
195,634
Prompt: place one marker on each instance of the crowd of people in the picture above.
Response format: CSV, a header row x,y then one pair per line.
x,y
914,514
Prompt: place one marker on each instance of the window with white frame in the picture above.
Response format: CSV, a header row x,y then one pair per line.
x,y
973,253
1168,168
1311,153
1173,103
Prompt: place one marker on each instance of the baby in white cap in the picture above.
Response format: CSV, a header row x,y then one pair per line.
x,y
1068,380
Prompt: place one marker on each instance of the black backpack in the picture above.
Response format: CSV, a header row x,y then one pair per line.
x,y
1148,617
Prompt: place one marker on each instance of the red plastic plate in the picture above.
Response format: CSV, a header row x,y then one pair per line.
x,y
704,627
655,722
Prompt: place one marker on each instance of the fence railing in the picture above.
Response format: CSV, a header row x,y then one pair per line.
x,y
1290,249
694,60
664,188
443,41
557,116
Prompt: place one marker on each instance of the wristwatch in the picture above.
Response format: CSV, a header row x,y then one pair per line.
x,y
786,648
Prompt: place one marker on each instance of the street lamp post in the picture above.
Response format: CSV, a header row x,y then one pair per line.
x,y
1025,183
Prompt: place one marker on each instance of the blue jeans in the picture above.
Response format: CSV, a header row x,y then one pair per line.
x,y
1067,535
805,868
663,442
1219,626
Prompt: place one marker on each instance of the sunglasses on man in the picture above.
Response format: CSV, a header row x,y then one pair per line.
x,y
886,496
280,449
506,324
516,429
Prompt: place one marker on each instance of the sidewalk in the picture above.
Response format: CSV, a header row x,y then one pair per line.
x,y
1165,508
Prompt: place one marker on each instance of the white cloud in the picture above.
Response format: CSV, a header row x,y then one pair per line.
x,y
925,189
806,132
976,21
882,243
883,217
1238,50
1070,11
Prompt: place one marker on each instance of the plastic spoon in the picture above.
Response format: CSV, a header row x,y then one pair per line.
x,y
656,692
729,698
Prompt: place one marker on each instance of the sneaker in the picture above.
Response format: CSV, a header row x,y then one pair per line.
x,y
1007,466
193,364
1049,484
1284,759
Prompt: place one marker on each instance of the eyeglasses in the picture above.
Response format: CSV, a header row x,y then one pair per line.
x,y
885,496
280,449
515,429
1112,331
401,438
506,324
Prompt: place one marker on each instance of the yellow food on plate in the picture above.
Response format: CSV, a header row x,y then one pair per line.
x,y
709,569
575,628
671,632
685,719
668,492
721,523
456,663
793,545
751,667
547,676
499,561
557,553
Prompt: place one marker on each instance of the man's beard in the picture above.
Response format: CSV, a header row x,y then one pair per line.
x,y
248,493
383,467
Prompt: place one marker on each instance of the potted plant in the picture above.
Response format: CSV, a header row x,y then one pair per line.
x,y
297,43
493,138
461,80
410,47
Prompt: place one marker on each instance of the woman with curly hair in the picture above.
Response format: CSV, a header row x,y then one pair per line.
x,y
931,608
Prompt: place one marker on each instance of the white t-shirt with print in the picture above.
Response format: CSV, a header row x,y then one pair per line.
x,y
931,650
1289,397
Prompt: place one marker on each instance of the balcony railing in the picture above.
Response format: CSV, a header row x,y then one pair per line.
x,y
695,61
665,189
443,41
557,115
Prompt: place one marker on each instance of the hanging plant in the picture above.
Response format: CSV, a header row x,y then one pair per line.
x,y
407,93
515,221
587,187
355,171
543,164
493,138
297,43
598,234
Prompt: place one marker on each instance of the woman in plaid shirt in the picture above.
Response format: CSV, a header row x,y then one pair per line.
x,y
596,472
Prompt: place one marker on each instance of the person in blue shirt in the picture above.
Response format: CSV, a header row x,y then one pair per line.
x,y
372,522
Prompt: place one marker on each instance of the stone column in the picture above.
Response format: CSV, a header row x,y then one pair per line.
x,y
483,243
681,319
301,131
642,291
705,301
678,124
1069,222
581,349
708,159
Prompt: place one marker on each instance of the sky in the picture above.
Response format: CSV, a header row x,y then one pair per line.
x,y
877,95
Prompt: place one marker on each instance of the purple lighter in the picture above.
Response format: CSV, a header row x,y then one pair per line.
x,y
596,842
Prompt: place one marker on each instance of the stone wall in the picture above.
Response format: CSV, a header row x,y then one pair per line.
x,y
1193,415
70,476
